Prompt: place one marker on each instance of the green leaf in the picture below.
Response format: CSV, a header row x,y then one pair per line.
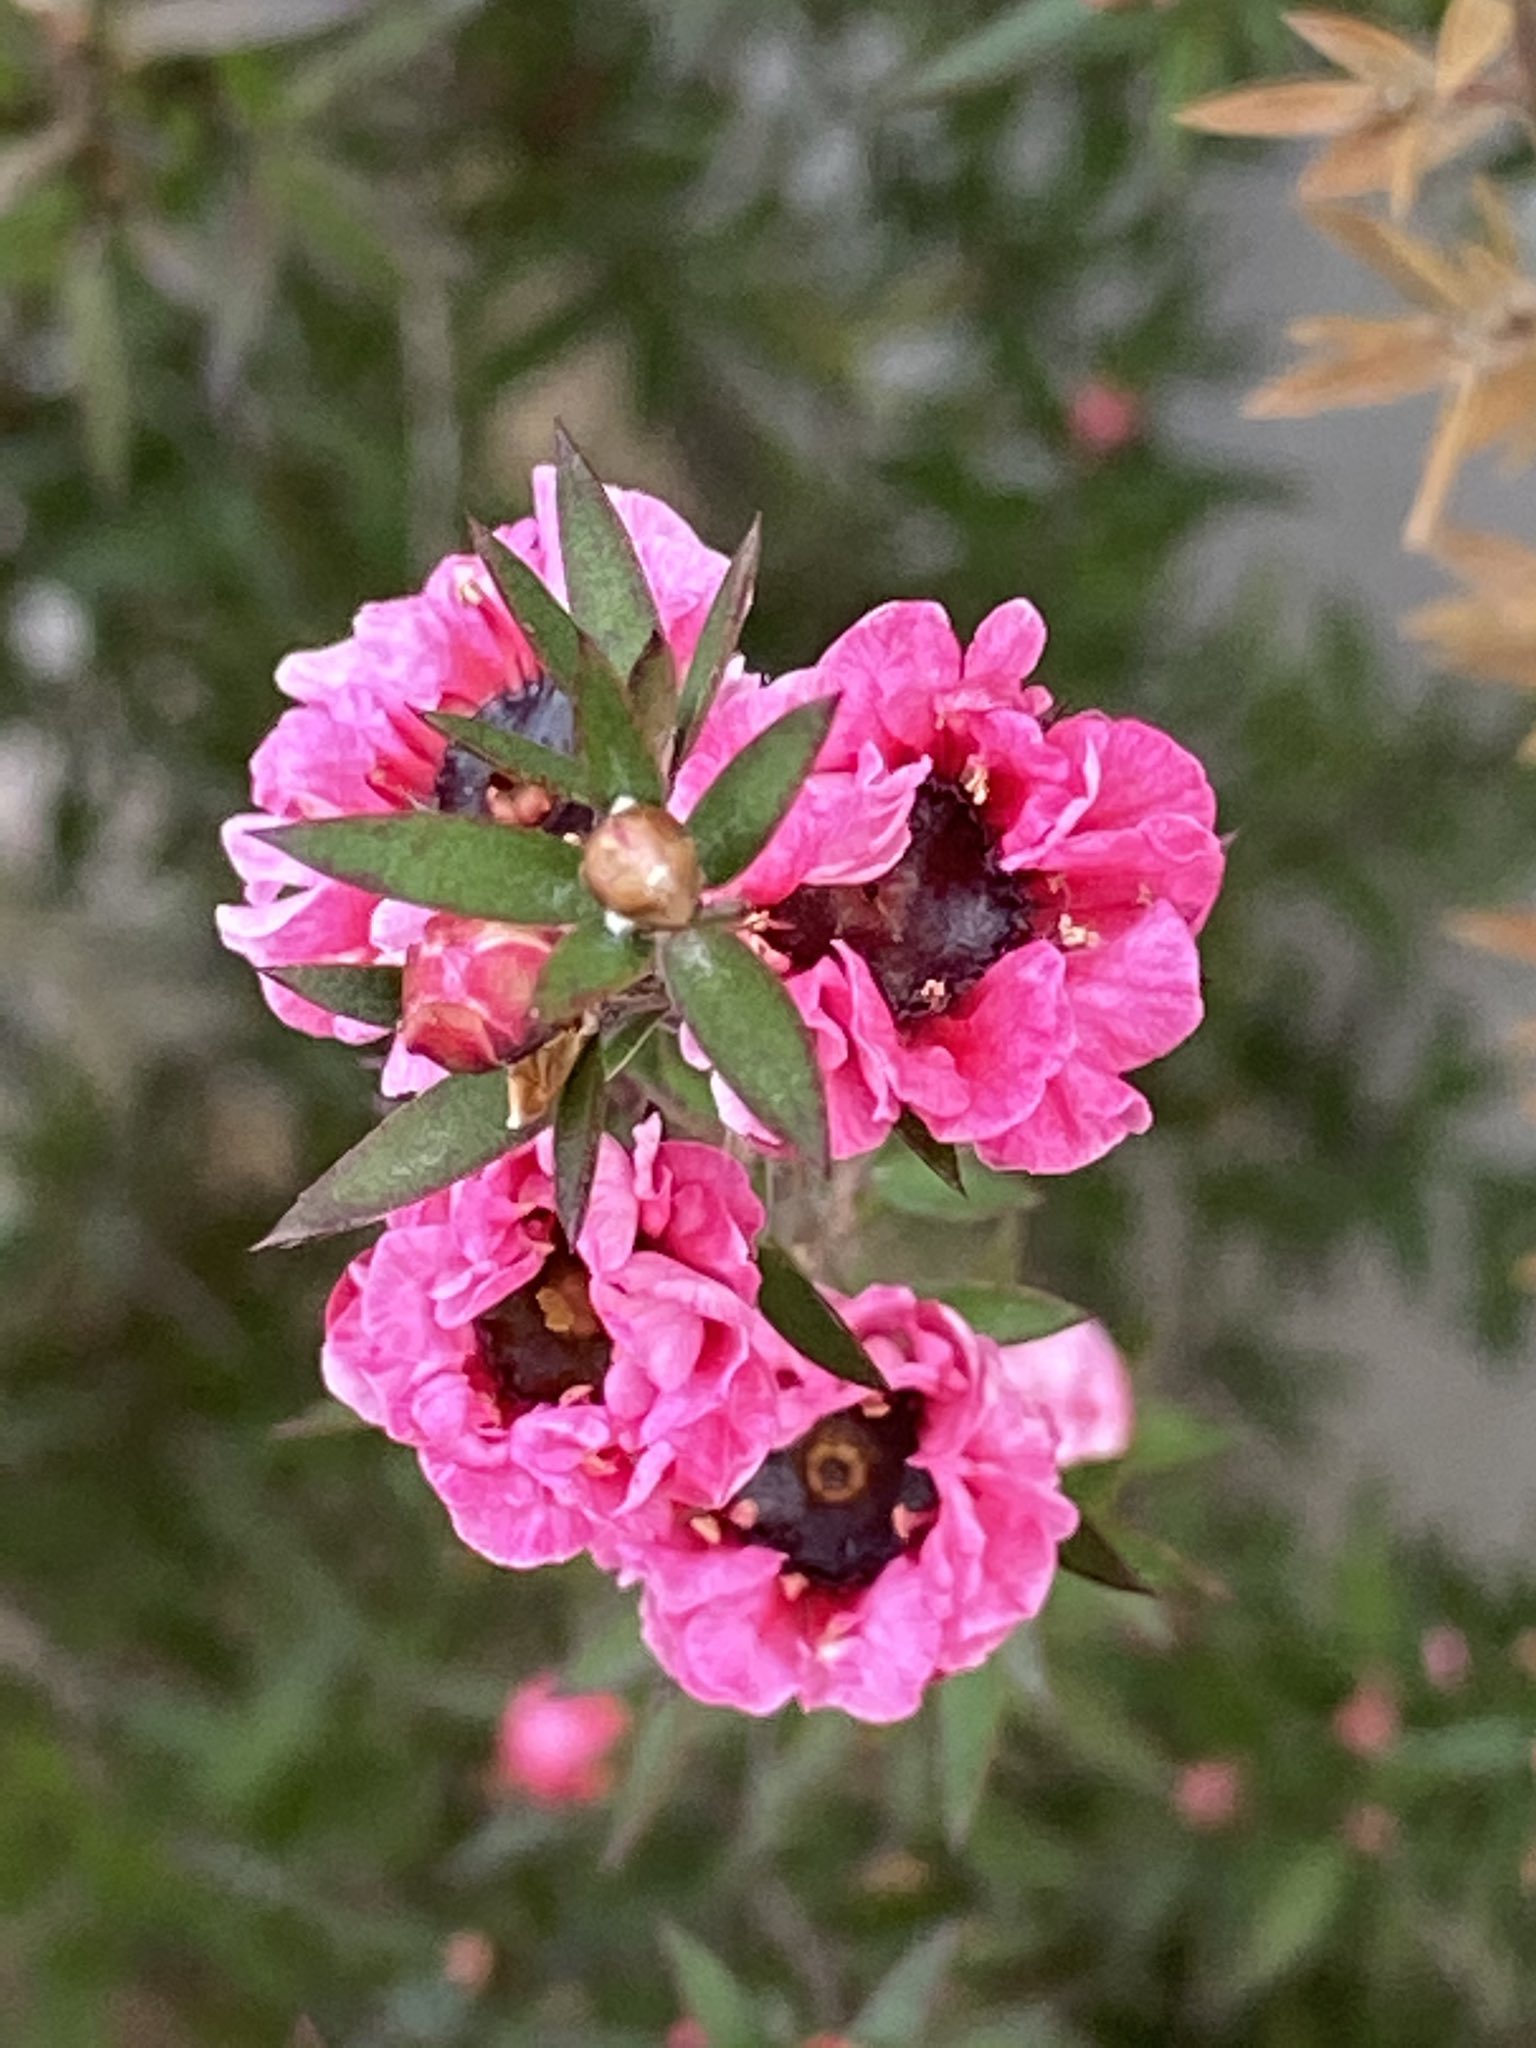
x,y
610,598
751,1031
88,298
742,808
999,49
657,1758
448,863
1290,1921
902,1182
1089,1554
589,961
718,639
452,1129
940,1159
578,1135
710,1994
1011,1315
546,624
370,994
619,761
653,693
526,759
971,1707
899,2011
320,1419
803,1315
626,1040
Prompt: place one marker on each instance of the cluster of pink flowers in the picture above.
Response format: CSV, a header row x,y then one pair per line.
x,y
984,910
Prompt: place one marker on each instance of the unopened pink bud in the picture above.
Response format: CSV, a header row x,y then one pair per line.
x,y
1446,1657
686,2033
1103,418
1368,1723
467,993
1208,1794
555,1747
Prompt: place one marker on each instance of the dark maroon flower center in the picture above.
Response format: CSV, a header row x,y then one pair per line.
x,y
544,1342
931,926
843,1501
472,788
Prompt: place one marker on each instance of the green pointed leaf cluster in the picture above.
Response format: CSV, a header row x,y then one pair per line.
x,y
1089,1554
523,758
750,1031
717,642
802,1315
452,1129
370,995
590,961
446,863
578,1135
741,809
1011,1315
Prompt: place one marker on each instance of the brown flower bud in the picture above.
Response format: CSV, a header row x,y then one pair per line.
x,y
641,863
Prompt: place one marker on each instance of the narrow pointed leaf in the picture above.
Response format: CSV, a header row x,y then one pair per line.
x,y
939,1158
371,995
900,2009
453,1129
546,624
653,693
971,1706
1011,1315
617,757
717,642
510,751
610,598
447,863
589,961
1089,1554
750,1031
627,1041
709,1993
578,1134
805,1318
743,807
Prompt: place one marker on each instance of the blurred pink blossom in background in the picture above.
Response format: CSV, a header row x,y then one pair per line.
x,y
555,1747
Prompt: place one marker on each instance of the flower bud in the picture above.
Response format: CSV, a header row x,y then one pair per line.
x,y
467,993
1103,418
641,863
555,1747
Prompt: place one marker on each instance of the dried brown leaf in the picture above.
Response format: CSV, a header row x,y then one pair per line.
x,y
1282,107
1498,222
1510,933
1353,164
1502,568
1400,364
1415,267
1450,445
1361,47
1472,34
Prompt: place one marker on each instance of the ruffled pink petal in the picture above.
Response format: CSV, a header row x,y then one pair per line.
x,y
1135,997
894,667
984,1066
1079,1378
857,1048
1083,1114
1006,648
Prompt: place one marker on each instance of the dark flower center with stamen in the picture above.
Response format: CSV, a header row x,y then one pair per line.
x,y
843,1501
465,784
929,928
544,1341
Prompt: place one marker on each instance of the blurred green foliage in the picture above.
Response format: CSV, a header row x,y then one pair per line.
x,y
284,286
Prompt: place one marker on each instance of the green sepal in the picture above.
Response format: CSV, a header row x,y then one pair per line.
x,y
446,863
369,995
718,638
453,1128
1089,1554
1011,1315
590,961
578,1136
801,1314
751,1031
743,807
515,755
610,598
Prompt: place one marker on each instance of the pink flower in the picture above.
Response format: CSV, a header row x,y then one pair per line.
x,y
1368,1724
467,992
985,912
1103,418
554,1746
1446,1656
1208,1795
1079,1378
355,742
686,2033
550,1390
881,1544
